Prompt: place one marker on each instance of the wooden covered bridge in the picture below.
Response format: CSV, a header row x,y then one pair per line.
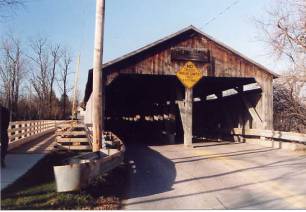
x,y
184,87
145,95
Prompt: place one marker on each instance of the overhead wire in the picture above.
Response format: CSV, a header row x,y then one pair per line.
x,y
222,12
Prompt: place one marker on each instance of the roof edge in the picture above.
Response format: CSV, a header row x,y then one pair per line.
x,y
275,75
191,27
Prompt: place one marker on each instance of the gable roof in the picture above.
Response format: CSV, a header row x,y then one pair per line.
x,y
189,29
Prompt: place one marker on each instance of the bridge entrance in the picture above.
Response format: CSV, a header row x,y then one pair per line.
x,y
144,98
143,108
149,108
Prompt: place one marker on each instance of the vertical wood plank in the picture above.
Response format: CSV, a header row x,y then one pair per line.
x,y
188,117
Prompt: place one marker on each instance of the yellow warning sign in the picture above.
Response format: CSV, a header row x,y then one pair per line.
x,y
189,75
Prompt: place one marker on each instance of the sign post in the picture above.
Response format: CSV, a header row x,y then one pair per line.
x,y
189,75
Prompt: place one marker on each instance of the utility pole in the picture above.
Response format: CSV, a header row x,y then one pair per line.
x,y
97,86
76,80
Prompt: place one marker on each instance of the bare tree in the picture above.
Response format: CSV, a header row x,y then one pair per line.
x,y
55,57
9,6
9,3
285,33
40,76
12,70
63,81
28,82
289,112
285,29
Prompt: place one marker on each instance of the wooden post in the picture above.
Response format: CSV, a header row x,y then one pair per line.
x,y
23,125
76,79
97,78
188,117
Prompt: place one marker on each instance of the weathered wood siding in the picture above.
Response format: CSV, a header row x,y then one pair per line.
x,y
224,64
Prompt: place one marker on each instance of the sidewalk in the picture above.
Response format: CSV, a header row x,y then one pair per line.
x,y
23,158
16,166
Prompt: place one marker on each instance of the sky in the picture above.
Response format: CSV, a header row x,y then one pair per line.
x,y
131,24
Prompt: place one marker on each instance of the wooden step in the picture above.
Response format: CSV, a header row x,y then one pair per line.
x,y
83,147
71,133
65,140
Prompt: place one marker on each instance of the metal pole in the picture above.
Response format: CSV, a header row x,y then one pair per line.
x,y
97,78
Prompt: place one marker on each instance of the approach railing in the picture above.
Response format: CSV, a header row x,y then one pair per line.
x,y
262,134
88,128
269,138
271,134
21,132
80,171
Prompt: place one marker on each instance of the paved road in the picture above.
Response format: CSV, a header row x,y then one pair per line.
x,y
215,176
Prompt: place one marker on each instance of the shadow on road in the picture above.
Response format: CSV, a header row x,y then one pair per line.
x,y
225,155
150,172
209,144
243,202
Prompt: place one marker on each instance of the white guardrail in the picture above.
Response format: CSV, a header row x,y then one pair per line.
x,y
276,135
270,138
21,132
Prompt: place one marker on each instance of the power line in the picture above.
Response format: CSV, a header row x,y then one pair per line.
x,y
221,12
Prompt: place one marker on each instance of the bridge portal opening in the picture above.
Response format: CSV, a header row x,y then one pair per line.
x,y
222,104
143,108
148,108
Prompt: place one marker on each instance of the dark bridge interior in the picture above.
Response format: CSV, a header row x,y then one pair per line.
x,y
143,106
146,107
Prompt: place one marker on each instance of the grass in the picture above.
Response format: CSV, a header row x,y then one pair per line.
x,y
37,189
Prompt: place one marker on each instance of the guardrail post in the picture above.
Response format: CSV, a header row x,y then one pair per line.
x,y
35,127
9,132
23,127
30,129
19,131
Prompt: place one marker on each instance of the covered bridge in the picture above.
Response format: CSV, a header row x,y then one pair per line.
x,y
144,97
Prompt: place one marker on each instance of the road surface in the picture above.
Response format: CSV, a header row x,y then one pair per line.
x,y
214,175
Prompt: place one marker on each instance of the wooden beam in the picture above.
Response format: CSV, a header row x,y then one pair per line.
x,y
251,109
187,121
181,107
